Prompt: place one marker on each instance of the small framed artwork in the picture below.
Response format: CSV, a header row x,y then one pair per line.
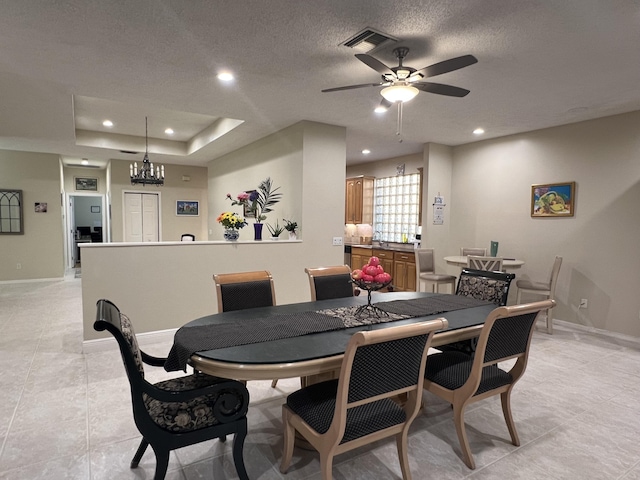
x,y
247,211
95,208
188,208
87,184
40,207
553,199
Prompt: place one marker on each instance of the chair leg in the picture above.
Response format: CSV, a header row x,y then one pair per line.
x,y
289,440
326,466
238,457
162,463
458,418
549,323
505,397
403,454
141,449
274,382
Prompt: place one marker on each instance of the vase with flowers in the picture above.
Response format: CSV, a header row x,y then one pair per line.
x,y
258,203
232,222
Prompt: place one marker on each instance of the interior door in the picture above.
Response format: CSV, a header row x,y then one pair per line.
x,y
71,232
141,217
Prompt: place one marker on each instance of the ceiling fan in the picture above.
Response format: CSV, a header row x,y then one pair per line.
x,y
403,83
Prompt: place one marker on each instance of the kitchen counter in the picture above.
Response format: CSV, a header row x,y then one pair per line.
x,y
391,246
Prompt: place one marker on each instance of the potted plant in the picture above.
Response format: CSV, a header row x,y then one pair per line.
x,y
275,230
291,227
259,202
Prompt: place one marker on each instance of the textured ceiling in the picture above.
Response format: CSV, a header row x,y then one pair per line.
x,y
540,64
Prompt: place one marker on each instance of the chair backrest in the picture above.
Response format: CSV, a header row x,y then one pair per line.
x,y
464,251
384,363
483,285
108,317
188,237
84,231
506,334
554,276
330,282
239,291
424,261
96,237
492,264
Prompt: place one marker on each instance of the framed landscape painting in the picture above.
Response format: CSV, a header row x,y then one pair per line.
x,y
90,184
187,208
553,199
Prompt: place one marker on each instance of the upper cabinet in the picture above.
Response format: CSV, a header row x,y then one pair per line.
x,y
359,200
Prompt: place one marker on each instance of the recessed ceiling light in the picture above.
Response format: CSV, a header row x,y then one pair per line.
x,y
85,161
478,131
169,131
225,76
366,151
380,109
107,123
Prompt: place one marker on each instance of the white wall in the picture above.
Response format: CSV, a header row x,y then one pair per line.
x,y
162,286
491,201
40,250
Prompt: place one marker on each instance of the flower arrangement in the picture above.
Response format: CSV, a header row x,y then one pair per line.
x,y
231,220
259,202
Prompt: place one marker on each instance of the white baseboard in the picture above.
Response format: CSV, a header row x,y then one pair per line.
x,y
148,338
31,280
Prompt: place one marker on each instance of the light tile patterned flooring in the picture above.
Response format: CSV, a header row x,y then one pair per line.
x,y
66,415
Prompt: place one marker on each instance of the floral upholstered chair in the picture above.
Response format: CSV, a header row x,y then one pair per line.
x,y
178,412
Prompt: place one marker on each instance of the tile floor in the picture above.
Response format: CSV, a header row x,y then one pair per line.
x,y
67,415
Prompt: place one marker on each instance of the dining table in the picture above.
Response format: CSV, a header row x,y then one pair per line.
x,y
461,261
308,339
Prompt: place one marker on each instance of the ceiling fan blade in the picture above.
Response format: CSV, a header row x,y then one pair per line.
x,y
441,89
351,87
374,63
447,66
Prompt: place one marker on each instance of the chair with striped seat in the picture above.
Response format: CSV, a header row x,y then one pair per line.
x,y
462,380
358,408
330,282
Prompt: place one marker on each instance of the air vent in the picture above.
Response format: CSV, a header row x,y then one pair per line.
x,y
368,40
129,152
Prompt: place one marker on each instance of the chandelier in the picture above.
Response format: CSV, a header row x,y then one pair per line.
x,y
146,175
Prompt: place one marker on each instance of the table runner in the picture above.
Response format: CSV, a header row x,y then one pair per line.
x,y
189,340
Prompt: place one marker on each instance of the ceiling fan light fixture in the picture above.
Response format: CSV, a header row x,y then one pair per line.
x,y
399,93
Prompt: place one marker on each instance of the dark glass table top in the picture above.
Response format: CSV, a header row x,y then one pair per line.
x,y
324,344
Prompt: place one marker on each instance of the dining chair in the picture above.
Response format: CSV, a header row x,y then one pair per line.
x,y
239,291
492,264
188,237
358,408
425,272
178,412
463,380
330,282
547,289
465,251
482,285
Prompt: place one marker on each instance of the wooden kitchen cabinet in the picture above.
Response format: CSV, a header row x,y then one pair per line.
x,y
404,271
359,200
359,257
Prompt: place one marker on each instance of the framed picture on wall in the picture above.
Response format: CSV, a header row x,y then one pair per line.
x,y
11,222
247,211
553,199
95,208
86,184
187,208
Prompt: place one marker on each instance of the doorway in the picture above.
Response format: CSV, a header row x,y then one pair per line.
x,y
85,221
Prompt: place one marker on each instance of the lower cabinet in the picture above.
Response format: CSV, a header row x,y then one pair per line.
x,y
400,265
404,271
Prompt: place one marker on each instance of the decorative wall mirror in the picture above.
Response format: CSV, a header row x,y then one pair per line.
x,y
11,212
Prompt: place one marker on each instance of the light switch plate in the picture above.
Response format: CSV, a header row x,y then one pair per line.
x,y
337,240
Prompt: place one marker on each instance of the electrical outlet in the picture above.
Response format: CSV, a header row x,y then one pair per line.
x,y
583,303
18,266
337,240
